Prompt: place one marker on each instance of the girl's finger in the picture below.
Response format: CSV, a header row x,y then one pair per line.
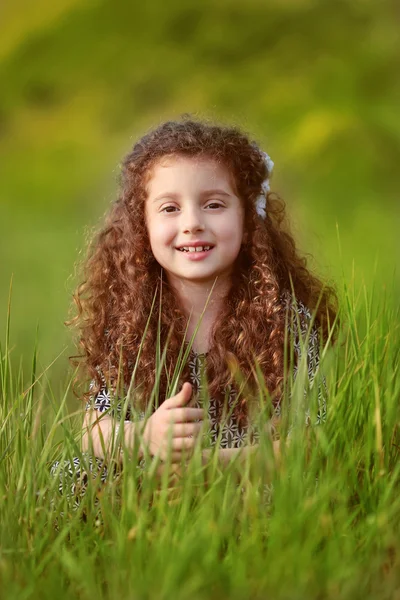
x,y
171,456
182,398
184,415
183,443
176,458
186,429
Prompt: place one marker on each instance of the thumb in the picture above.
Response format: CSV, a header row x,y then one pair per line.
x,y
182,397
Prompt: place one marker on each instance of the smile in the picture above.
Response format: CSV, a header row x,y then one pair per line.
x,y
193,254
195,249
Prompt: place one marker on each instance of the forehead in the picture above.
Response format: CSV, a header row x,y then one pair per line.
x,y
179,171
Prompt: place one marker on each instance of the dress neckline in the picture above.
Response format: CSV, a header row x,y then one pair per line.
x,y
195,353
198,353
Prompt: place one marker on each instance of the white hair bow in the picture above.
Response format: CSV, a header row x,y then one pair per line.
x,y
261,201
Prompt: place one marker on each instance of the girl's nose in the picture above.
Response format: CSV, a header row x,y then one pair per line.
x,y
192,220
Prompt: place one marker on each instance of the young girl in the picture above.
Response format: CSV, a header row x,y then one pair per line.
x,y
195,213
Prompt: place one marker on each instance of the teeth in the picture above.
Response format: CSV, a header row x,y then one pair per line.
x,y
193,249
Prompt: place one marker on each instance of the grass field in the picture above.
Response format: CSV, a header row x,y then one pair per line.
x,y
324,524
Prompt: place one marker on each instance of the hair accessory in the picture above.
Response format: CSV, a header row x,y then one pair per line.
x,y
261,201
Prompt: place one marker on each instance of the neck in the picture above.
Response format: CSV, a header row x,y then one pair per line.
x,y
192,298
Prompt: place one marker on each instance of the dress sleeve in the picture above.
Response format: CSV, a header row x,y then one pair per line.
x,y
105,402
313,362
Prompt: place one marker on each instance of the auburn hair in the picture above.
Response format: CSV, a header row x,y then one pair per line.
x,y
120,278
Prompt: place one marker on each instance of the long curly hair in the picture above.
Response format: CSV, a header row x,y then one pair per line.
x,y
121,278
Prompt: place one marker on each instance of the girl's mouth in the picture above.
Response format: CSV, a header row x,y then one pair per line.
x,y
195,255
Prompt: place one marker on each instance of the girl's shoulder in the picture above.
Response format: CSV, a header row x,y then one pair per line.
x,y
296,305
300,317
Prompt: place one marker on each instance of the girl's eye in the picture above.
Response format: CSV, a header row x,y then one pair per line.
x,y
212,204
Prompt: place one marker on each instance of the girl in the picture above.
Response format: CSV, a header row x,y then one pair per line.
x,y
195,213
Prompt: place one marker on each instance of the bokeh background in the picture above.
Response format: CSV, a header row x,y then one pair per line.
x,y
316,83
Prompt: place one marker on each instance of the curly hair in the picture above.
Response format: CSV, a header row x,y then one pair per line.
x,y
121,278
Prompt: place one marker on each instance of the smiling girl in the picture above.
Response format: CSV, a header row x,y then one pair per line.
x,y
195,212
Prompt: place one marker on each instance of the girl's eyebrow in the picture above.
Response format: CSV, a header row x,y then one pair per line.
x,y
216,191
173,196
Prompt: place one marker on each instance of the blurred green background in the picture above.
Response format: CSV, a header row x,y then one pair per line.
x,y
315,82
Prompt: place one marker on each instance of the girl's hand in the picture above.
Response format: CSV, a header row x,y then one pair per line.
x,y
173,427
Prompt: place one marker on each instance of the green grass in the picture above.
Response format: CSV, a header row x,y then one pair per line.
x,y
329,530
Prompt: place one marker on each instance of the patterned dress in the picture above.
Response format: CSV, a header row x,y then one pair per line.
x,y
230,433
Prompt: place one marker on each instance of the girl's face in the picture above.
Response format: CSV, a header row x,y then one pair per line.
x,y
193,200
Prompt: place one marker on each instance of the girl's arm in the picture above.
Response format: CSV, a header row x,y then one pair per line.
x,y
171,430
103,419
228,455
100,435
